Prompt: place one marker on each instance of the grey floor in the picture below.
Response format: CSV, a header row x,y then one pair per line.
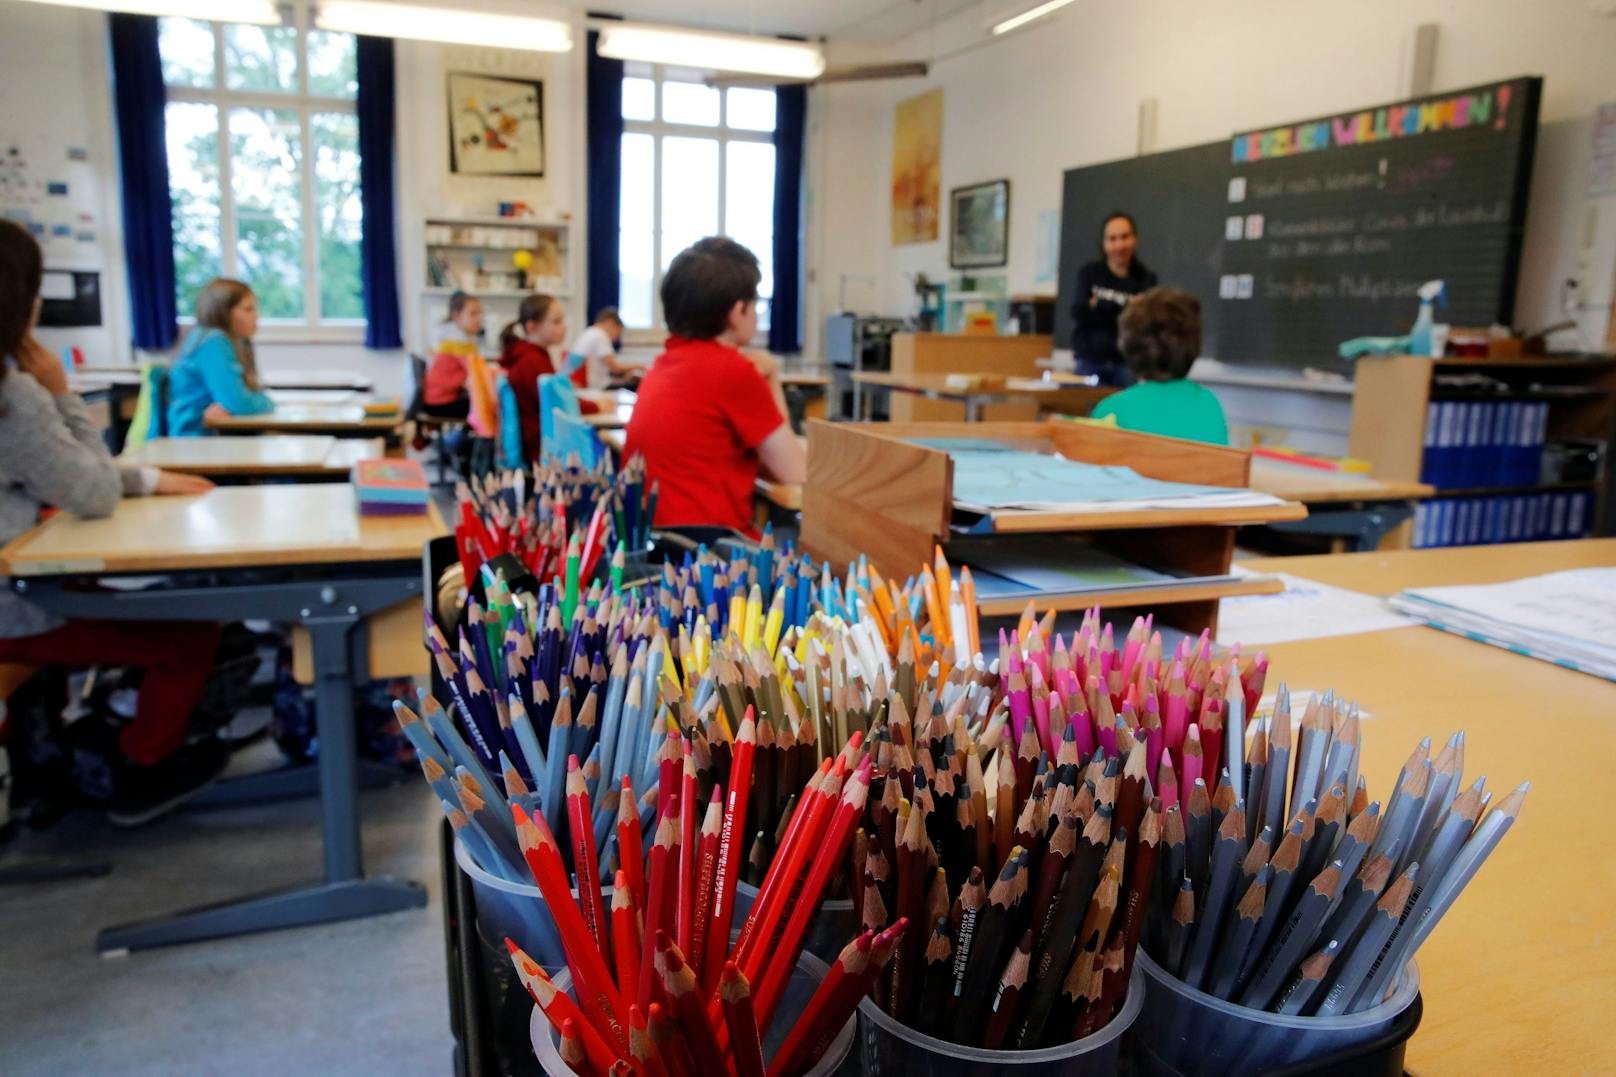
x,y
363,997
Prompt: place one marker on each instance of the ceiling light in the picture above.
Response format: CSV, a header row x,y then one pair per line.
x,y
711,51
1029,15
264,12
453,26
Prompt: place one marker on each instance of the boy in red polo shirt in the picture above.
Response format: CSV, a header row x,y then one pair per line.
x,y
708,416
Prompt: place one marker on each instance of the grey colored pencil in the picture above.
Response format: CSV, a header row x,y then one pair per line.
x,y
1358,897
1403,817
1327,827
1170,867
1256,858
1476,849
1350,979
1310,749
1280,740
1285,862
1237,940
1234,736
1352,850
1293,941
1178,931
1445,785
1220,895
1293,1001
1417,759
1198,835
1255,781
1343,744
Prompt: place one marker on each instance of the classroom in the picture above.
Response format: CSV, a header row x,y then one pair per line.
x,y
886,538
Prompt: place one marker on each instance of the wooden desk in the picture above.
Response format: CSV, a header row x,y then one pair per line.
x,y
296,554
338,420
230,456
317,396
616,406
1049,396
1518,977
1349,509
288,379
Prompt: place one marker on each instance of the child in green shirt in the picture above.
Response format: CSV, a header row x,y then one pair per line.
x,y
1159,335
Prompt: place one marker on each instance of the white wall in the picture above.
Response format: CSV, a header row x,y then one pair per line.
x,y
1065,91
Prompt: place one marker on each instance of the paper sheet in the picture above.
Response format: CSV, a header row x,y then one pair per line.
x,y
1306,609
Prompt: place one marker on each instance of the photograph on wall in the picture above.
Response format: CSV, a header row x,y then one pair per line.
x,y
917,169
496,126
981,225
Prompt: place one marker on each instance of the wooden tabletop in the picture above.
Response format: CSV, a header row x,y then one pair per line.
x,y
244,456
1309,485
1519,975
228,527
616,406
286,379
797,380
317,396
310,419
938,385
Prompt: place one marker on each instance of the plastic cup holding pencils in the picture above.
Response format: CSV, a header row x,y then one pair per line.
x,y
827,932
800,987
1184,1032
517,911
893,1049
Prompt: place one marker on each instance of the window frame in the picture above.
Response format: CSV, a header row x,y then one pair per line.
x,y
313,327
660,128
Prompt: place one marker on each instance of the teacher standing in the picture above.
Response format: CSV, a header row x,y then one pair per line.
x,y
1104,287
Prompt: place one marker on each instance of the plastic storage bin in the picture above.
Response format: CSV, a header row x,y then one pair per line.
x,y
516,910
800,987
890,1049
1188,1033
829,932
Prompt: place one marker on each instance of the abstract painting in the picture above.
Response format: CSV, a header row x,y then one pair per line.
x,y
496,126
917,168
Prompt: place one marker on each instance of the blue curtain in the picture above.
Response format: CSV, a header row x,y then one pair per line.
x,y
377,257
785,311
138,98
603,125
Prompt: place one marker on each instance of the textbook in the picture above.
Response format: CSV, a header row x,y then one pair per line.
x,y
388,487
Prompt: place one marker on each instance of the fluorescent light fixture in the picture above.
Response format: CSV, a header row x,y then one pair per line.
x,y
264,12
449,25
1029,15
711,51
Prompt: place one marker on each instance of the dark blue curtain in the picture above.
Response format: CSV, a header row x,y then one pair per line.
x,y
603,125
138,98
377,257
785,311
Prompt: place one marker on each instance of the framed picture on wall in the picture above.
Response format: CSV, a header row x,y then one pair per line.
x,y
496,126
980,235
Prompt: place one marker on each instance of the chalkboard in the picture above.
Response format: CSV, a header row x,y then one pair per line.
x,y
1332,224
1177,200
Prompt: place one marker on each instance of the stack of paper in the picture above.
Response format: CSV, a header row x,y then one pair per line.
x,y
390,487
1057,566
1568,618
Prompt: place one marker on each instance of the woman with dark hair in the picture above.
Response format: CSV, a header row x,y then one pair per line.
x,y
215,370
1160,336
52,455
1104,287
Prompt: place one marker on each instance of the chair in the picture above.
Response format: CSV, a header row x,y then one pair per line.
x,y
431,427
566,432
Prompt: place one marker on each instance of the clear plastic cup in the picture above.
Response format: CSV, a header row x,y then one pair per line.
x,y
800,987
1188,1033
518,911
891,1049
829,931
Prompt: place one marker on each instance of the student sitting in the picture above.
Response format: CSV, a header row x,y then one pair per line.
x,y
595,351
1159,335
541,324
708,416
51,454
460,334
214,373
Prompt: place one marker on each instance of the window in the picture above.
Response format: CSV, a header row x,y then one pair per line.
x,y
697,161
263,165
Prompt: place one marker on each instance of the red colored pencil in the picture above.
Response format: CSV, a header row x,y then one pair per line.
x,y
630,855
679,982
571,1047
670,1041
625,936
600,1000
642,1051
706,866
736,996
557,1006
580,828
808,1031
660,867
668,763
730,841
790,861
689,852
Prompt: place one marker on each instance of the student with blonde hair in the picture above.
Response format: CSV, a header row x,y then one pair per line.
x,y
215,371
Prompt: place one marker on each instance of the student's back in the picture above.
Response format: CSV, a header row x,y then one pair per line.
x,y
1159,335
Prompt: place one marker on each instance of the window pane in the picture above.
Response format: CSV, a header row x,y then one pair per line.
x,y
749,109
689,193
749,203
265,180
192,132
639,99
336,201
635,260
333,69
690,102
260,58
186,47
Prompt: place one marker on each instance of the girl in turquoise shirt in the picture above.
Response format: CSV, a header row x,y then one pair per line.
x,y
215,368
1159,335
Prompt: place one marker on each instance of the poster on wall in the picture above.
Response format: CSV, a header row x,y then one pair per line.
x,y
917,156
496,126
980,220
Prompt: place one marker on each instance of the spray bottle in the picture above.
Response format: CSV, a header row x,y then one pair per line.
x,y
1420,341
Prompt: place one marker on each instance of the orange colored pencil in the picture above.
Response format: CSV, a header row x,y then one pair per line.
x,y
580,828
557,1006
968,595
730,841
706,867
625,936
736,995
934,608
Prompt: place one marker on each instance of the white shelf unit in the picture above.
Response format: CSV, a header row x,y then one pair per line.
x,y
473,255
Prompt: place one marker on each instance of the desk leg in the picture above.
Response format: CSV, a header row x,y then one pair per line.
x,y
346,894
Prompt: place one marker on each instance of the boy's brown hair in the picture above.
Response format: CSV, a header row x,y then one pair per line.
x,y
1159,334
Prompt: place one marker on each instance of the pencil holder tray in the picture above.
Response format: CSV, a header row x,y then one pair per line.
x,y
800,987
517,911
1184,1032
891,1049
830,930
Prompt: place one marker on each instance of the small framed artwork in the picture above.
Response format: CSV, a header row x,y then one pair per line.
x,y
496,126
981,232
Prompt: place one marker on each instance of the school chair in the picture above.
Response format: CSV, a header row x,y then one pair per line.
x,y
566,431
151,407
433,430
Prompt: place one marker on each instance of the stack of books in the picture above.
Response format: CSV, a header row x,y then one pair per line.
x,y
382,408
390,487
1471,443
